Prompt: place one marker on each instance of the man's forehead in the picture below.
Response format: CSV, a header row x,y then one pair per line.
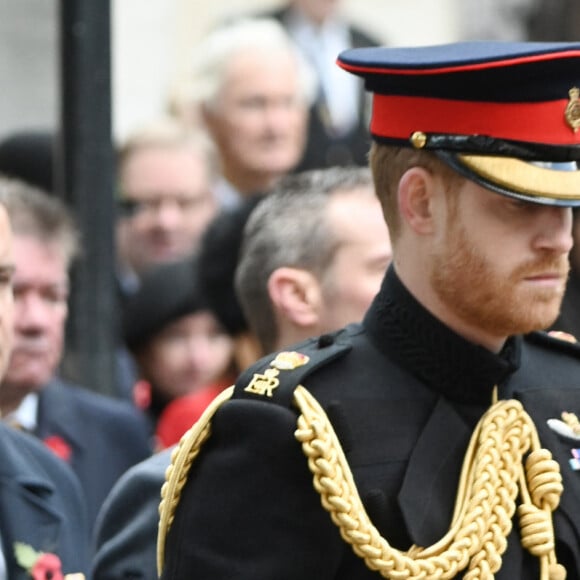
x,y
248,68
45,253
149,158
6,236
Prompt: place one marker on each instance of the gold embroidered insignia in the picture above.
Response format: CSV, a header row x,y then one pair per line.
x,y
572,112
264,384
571,419
287,361
567,426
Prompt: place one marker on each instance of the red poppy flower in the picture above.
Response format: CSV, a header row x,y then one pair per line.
x,y
40,565
142,394
47,567
59,447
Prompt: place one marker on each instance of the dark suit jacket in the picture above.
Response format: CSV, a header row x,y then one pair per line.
x,y
106,436
126,529
323,148
403,393
41,505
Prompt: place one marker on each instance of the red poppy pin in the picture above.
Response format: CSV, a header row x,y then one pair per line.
x,y
59,447
41,565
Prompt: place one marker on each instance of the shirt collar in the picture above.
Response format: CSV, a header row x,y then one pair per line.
x,y
26,414
227,195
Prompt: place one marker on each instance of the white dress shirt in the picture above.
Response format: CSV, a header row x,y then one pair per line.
x,y
320,46
25,416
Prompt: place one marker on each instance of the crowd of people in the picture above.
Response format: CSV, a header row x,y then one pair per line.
x,y
372,349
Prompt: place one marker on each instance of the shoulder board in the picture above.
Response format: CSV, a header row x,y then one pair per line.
x,y
555,340
276,376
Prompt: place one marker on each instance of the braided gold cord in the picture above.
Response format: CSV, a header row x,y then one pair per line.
x,y
176,474
491,477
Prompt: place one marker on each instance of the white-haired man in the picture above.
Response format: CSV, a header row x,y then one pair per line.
x,y
253,90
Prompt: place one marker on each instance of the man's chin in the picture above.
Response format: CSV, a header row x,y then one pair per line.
x,y
160,256
540,319
28,381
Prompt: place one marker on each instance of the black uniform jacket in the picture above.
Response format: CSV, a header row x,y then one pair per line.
x,y
403,393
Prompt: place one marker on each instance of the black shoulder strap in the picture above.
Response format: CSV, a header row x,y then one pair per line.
x,y
555,340
275,376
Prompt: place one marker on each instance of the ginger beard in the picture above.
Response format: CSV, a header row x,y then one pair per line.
x,y
500,304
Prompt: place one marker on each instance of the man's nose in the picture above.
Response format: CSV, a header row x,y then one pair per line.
x,y
169,214
31,312
556,230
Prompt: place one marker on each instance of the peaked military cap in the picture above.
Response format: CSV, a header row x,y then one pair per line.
x,y
504,114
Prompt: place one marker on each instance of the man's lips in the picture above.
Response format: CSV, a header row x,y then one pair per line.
x,y
165,248
30,350
547,278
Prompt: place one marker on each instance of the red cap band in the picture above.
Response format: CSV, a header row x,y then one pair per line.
x,y
398,117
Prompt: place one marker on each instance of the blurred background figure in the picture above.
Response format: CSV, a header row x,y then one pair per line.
x,y
313,254
177,342
305,239
338,124
41,501
29,156
554,21
166,176
100,438
125,544
217,263
252,89
126,530
166,179
505,20
313,257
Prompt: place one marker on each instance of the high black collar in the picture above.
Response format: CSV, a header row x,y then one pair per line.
x,y
411,336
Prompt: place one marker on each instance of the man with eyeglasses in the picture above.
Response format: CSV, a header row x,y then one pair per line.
x,y
166,200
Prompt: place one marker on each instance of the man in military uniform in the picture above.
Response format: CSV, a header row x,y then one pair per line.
x,y
439,438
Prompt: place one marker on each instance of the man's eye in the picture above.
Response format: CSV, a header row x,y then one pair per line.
x,y
55,297
253,104
127,207
7,276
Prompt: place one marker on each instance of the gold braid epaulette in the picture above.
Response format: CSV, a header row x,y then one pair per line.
x,y
176,474
494,473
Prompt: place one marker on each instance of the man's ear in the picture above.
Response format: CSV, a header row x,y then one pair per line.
x,y
295,295
416,196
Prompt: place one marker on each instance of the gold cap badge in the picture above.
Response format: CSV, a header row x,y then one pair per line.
x,y
572,112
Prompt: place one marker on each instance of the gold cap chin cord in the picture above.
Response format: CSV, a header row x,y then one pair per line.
x,y
494,473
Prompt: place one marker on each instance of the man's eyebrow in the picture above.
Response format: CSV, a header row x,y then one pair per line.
x,y
7,269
